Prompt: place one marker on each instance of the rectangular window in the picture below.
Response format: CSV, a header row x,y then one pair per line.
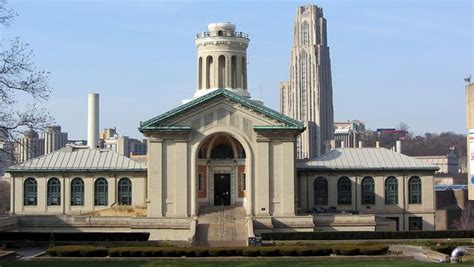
x,y
415,223
244,182
200,182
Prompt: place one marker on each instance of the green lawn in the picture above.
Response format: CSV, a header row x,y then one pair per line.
x,y
250,262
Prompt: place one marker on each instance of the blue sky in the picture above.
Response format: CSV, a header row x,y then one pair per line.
x,y
392,61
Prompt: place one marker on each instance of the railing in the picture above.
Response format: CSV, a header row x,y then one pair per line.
x,y
222,34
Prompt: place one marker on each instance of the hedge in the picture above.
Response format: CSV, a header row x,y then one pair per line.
x,y
92,251
77,251
367,235
90,236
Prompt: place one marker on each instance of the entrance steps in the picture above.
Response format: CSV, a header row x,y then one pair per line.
x,y
220,226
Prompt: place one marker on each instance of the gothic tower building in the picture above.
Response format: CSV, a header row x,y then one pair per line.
x,y
307,96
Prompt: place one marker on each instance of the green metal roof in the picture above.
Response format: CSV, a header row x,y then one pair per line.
x,y
155,124
74,159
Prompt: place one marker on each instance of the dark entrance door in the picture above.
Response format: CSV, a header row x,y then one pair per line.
x,y
222,189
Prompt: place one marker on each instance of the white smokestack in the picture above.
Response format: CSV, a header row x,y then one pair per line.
x,y
360,144
377,144
342,144
399,146
93,121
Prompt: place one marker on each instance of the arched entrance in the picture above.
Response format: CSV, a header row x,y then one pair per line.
x,y
221,171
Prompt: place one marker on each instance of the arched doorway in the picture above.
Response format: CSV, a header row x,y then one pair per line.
x,y
221,167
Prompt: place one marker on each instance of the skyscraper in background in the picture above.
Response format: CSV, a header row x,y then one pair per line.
x,y
54,139
307,96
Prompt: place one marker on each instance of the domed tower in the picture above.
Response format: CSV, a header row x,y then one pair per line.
x,y
222,59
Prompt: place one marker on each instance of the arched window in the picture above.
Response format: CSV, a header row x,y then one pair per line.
x,y
209,70
200,73
344,193
77,192
54,192
320,191
244,73
101,190
391,190
414,190
233,72
303,69
125,192
221,68
222,151
368,191
30,192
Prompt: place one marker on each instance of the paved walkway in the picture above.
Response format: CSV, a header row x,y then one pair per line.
x,y
414,251
221,226
25,254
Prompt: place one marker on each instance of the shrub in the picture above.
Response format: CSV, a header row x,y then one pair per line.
x,y
250,252
347,250
201,252
373,250
169,252
288,251
304,251
233,252
366,235
317,251
77,251
215,252
269,251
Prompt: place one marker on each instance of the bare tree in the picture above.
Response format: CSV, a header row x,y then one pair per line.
x,y
466,220
22,85
403,126
4,196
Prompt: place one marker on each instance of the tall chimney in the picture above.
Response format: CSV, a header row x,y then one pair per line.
x,y
342,144
93,121
399,146
360,144
377,144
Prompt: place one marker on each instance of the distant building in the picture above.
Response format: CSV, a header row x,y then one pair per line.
x,y
307,96
348,134
447,164
123,145
6,152
54,139
28,147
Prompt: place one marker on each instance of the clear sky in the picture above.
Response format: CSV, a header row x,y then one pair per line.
x,y
392,61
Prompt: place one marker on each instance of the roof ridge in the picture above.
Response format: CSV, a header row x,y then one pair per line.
x,y
224,92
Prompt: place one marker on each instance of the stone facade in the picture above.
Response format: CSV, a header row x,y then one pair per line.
x,y
307,96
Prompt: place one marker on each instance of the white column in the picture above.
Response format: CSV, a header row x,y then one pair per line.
x,y
262,181
155,178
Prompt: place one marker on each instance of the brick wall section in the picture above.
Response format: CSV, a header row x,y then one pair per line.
x,y
202,170
241,170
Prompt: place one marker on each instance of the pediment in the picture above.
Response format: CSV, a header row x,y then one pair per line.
x,y
220,107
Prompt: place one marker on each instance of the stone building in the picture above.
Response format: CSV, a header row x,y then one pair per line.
x,y
348,133
374,181
307,96
448,163
221,167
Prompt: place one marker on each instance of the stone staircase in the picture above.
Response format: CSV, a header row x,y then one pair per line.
x,y
220,226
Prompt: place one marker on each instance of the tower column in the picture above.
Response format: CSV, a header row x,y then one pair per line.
x,y
224,44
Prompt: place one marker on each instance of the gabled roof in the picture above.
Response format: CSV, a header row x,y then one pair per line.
x,y
158,123
79,160
365,159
